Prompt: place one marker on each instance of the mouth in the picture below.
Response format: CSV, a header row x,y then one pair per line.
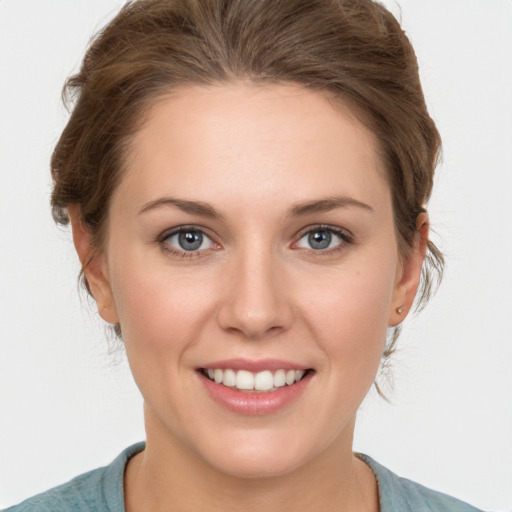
x,y
245,381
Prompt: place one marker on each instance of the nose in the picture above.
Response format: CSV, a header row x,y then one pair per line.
x,y
255,300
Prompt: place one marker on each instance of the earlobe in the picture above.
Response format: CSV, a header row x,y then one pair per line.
x,y
409,274
93,267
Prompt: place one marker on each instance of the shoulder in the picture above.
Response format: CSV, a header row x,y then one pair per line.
x,y
79,494
399,494
96,491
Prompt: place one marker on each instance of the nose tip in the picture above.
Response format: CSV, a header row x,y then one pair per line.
x,y
253,324
255,304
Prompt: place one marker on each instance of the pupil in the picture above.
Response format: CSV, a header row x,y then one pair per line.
x,y
320,239
190,240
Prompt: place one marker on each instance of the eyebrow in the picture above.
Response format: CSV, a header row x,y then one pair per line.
x,y
327,204
192,207
297,210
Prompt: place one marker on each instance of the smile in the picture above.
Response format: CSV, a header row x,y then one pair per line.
x,y
246,381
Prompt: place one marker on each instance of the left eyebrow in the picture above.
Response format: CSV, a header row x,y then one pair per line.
x,y
327,204
192,207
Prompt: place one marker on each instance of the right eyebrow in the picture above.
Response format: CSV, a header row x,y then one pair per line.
x,y
192,207
327,204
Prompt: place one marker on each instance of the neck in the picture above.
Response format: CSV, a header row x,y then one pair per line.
x,y
168,476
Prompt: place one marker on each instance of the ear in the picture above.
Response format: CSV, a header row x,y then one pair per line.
x,y
93,266
409,273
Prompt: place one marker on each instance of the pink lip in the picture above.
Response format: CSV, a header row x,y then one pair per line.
x,y
255,365
255,404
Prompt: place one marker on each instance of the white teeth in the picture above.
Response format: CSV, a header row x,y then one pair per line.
x,y
244,380
229,378
261,381
279,378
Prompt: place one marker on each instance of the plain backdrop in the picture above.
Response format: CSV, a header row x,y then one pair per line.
x,y
67,406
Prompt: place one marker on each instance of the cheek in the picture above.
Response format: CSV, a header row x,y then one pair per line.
x,y
159,308
348,311
162,314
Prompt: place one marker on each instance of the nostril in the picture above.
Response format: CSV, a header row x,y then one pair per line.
x,y
254,303
252,327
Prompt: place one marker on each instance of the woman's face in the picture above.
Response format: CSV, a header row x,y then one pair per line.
x,y
252,237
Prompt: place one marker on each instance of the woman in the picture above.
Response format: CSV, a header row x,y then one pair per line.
x,y
246,184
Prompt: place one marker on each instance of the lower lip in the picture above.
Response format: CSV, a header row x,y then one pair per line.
x,y
255,404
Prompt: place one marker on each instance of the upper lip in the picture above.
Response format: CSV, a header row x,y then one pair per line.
x,y
255,365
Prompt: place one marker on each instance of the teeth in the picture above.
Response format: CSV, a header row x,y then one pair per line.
x,y
244,380
229,378
264,381
261,381
279,378
290,377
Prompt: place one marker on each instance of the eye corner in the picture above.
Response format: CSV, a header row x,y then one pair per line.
x,y
330,239
187,242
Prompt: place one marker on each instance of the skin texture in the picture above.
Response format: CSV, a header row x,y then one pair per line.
x,y
256,289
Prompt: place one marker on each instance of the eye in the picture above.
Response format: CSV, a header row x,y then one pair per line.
x,y
323,238
188,240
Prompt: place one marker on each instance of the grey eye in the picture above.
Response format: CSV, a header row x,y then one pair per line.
x,y
189,240
320,239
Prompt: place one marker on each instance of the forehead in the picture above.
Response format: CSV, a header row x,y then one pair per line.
x,y
254,141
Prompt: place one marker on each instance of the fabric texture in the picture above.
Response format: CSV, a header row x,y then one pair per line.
x,y
101,490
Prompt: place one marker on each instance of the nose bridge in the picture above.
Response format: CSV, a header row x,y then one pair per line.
x,y
255,300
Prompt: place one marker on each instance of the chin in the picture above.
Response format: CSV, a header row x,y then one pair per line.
x,y
258,455
250,465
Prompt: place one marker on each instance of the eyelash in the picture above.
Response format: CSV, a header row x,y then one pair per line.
x,y
346,238
182,253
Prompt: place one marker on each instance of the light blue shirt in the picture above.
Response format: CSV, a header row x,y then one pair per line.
x,y
102,490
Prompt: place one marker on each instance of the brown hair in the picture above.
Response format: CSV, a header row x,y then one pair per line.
x,y
354,50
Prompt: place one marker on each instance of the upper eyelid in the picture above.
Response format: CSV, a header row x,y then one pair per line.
x,y
168,247
344,233
186,227
346,239
177,252
335,229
